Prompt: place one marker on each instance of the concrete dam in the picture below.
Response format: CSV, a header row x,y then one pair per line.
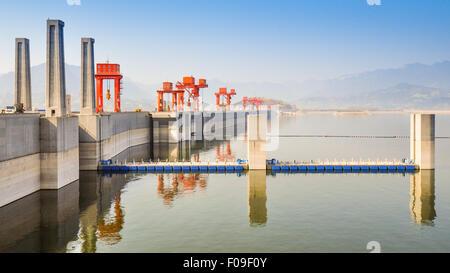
x,y
48,151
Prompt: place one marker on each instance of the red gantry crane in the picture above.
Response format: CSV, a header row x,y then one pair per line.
x,y
107,71
192,89
257,102
224,94
177,97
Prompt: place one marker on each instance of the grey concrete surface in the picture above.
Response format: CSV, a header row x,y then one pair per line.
x,y
87,96
23,74
55,94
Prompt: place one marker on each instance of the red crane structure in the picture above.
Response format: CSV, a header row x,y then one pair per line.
x,y
107,71
224,94
257,102
177,97
192,89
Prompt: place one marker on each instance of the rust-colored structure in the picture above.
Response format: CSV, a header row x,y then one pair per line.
x,y
188,85
107,71
192,89
177,97
257,102
224,94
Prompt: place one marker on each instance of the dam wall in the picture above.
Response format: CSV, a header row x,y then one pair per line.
x,y
19,156
106,135
36,153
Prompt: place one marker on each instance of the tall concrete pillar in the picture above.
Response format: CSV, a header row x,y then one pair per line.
x,y
256,137
55,94
87,97
422,140
23,74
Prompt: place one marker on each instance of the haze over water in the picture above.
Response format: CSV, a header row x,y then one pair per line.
x,y
247,213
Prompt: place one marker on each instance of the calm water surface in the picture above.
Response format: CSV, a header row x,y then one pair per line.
x,y
252,212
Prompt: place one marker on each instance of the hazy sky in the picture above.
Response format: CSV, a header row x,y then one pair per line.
x,y
246,40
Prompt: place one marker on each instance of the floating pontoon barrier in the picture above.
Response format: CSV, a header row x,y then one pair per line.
x,y
273,165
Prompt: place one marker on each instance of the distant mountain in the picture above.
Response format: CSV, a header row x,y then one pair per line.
x,y
411,86
435,76
134,95
402,96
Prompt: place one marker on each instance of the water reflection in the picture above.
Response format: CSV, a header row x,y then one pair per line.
x,y
257,197
179,184
422,197
190,151
42,222
101,214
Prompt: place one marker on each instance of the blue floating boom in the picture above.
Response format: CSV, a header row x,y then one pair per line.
x,y
338,169
392,168
302,168
133,169
311,168
230,169
293,168
356,169
329,169
168,169
151,168
239,168
374,168
212,168
142,169
276,168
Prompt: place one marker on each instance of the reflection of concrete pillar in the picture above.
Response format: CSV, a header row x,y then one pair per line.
x,y
257,129
59,217
56,75
23,74
422,140
87,97
422,197
257,210
19,222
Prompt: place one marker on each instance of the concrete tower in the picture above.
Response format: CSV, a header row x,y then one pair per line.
x,y
256,141
22,74
55,94
87,97
422,140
